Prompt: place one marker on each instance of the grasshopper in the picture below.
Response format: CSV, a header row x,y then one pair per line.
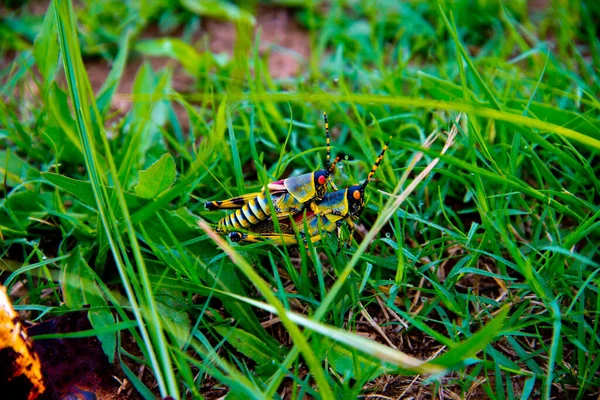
x,y
288,196
327,215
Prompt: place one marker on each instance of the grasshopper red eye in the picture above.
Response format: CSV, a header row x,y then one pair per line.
x,y
356,194
321,180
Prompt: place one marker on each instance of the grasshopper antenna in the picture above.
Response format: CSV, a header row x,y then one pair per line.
x,y
376,165
330,171
332,166
329,166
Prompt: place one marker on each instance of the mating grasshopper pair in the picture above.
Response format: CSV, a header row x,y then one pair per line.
x,y
301,200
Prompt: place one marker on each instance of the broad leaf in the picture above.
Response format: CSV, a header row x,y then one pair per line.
x,y
45,49
159,177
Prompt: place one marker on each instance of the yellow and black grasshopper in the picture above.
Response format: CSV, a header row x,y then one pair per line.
x,y
327,215
288,196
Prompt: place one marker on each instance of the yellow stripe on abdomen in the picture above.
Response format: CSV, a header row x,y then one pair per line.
x,y
249,215
239,215
256,210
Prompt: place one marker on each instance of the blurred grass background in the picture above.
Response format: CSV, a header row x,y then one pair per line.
x,y
120,119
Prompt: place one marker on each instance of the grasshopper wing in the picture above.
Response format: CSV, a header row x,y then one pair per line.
x,y
275,189
233,203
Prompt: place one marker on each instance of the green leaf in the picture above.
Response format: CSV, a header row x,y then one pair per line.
x,y
45,49
14,170
237,164
351,363
26,207
80,189
546,112
172,309
146,117
477,271
106,92
159,177
71,283
220,124
180,230
250,346
475,343
442,89
61,130
83,191
80,289
241,312
219,9
191,59
135,285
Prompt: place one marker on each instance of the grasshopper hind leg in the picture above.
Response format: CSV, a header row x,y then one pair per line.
x,y
263,237
276,238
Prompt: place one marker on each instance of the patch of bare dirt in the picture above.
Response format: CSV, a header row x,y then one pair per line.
x,y
278,28
74,367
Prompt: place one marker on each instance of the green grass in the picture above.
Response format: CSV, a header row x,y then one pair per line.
x,y
482,280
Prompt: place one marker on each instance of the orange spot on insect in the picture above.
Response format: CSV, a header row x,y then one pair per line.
x,y
356,194
321,180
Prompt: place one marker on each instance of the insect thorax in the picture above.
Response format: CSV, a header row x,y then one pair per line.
x,y
301,187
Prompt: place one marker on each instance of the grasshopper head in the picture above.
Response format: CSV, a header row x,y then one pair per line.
x,y
321,177
356,200
320,180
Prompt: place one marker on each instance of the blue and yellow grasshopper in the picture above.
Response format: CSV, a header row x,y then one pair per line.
x,y
327,215
288,196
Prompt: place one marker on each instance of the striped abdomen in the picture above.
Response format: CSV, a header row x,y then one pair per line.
x,y
250,214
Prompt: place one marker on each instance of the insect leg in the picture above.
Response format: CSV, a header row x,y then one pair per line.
x,y
263,237
330,211
277,238
339,237
352,225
